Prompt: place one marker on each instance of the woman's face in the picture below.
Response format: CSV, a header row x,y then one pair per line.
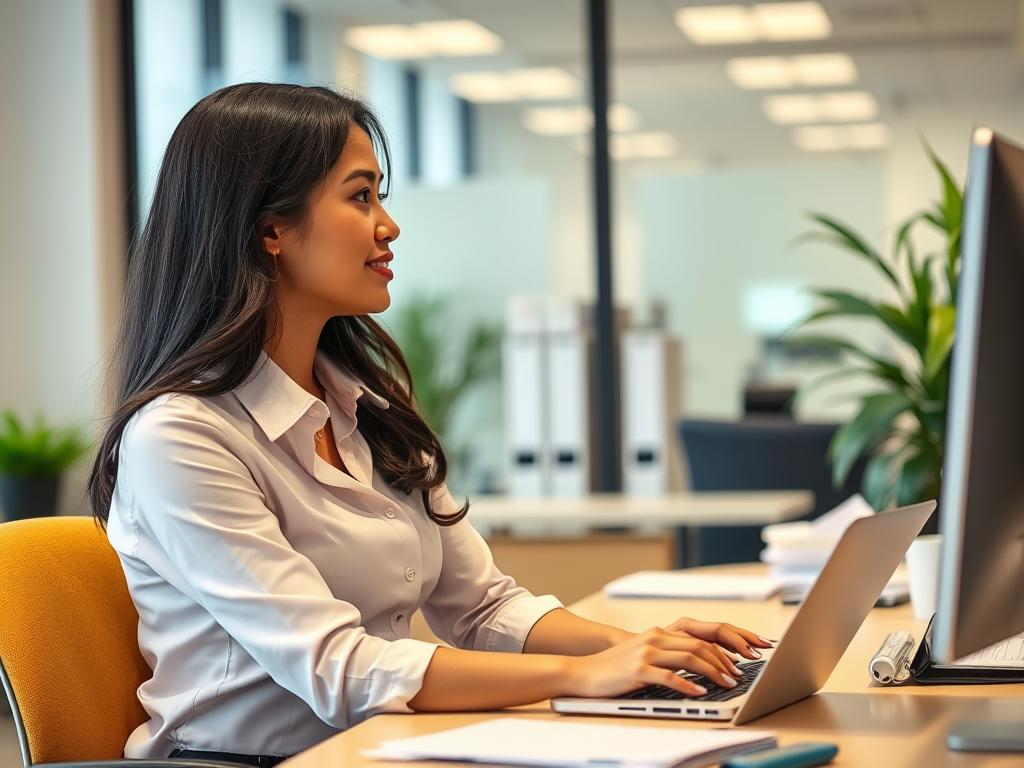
x,y
337,266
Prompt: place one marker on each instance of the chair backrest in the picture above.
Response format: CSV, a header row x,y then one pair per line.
x,y
767,454
68,641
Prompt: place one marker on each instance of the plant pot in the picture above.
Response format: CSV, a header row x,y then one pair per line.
x,y
24,496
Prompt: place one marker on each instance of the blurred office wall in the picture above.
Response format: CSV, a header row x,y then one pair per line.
x,y
62,194
710,187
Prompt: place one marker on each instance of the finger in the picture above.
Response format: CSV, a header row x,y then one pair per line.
x,y
752,637
737,644
659,676
730,661
734,640
681,624
692,662
723,659
710,652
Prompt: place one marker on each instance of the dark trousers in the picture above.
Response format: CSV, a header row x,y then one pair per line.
x,y
259,761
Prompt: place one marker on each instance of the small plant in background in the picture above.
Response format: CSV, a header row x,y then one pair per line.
x,y
32,459
441,375
901,424
40,449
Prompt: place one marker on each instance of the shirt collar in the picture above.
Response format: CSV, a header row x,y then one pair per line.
x,y
276,402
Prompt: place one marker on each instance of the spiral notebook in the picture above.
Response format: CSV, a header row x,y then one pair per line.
x,y
527,741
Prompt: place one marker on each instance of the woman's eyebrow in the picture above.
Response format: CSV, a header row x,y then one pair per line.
x,y
367,174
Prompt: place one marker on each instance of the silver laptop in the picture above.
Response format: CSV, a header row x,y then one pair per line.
x,y
850,583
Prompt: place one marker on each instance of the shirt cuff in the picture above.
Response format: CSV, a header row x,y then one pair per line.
x,y
508,631
407,660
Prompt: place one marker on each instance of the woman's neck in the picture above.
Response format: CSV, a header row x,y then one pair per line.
x,y
294,352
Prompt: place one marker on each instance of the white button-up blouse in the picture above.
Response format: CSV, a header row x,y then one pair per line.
x,y
274,591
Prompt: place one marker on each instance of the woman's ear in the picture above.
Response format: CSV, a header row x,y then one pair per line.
x,y
270,231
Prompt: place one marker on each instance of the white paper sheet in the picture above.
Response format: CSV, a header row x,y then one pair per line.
x,y
686,585
1007,653
526,741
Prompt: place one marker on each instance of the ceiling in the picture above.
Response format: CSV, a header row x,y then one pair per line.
x,y
910,54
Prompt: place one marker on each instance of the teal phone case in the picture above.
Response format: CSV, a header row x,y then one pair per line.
x,y
803,755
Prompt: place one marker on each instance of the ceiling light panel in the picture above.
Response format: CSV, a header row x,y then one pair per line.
x,y
717,24
536,84
792,21
761,73
738,24
460,37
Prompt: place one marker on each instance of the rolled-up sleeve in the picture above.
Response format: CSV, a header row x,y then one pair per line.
x,y
200,520
474,605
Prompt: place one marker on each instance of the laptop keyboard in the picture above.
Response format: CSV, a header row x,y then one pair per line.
x,y
750,670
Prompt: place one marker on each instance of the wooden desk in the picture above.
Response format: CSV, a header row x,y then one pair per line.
x,y
874,726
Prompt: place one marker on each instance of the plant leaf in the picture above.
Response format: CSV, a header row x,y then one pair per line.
x,y
941,331
880,476
844,236
841,373
952,204
917,478
884,369
874,422
902,325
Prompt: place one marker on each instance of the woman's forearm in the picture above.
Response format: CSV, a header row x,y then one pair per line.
x,y
562,632
468,680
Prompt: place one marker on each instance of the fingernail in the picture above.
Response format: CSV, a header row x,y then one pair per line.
x,y
766,640
729,681
736,670
700,690
756,652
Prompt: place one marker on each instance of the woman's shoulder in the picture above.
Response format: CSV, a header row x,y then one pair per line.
x,y
173,413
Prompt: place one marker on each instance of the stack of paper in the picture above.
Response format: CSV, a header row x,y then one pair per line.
x,y
525,741
687,585
798,551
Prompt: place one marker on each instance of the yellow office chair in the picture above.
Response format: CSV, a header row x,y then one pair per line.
x,y
69,658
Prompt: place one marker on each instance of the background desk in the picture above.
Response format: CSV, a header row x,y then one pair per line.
x,y
874,726
663,511
557,546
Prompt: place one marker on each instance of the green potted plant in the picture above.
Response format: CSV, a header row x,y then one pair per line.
x,y
32,460
900,424
441,377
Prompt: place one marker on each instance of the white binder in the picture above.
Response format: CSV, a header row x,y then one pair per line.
x,y
568,393
524,371
569,397
651,457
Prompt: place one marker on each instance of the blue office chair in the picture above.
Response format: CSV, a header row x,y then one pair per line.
x,y
757,454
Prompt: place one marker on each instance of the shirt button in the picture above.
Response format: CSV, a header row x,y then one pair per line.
x,y
396,618
389,512
410,573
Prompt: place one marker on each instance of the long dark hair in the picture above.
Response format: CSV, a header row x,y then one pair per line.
x,y
199,296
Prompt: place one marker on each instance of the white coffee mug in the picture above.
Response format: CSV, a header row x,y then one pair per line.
x,y
923,572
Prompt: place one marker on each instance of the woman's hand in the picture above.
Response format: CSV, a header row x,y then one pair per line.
x,y
742,641
650,657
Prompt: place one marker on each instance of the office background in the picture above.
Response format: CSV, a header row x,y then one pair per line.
x,y
712,173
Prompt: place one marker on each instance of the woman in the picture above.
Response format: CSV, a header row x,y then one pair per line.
x,y
278,505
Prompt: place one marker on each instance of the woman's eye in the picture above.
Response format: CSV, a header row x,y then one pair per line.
x,y
366,192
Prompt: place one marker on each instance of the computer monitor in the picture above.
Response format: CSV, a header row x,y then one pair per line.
x,y
981,517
